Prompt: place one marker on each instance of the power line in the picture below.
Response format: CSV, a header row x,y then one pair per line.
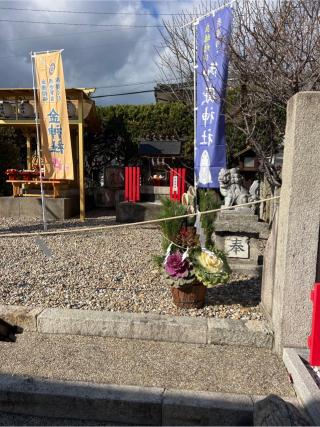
x,y
120,94
67,49
80,24
136,92
168,82
56,35
90,13
126,84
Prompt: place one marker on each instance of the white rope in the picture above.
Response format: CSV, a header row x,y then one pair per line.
x,y
130,224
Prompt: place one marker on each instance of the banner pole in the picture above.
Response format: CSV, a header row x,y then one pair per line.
x,y
194,107
38,148
197,224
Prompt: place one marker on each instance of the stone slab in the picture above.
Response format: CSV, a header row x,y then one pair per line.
x,y
112,403
24,317
9,207
30,207
140,211
209,409
245,267
239,223
237,332
123,325
139,326
307,390
154,189
66,399
228,213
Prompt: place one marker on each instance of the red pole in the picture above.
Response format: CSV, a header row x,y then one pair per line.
x,y
174,192
138,183
178,184
134,185
126,183
183,182
130,184
171,182
314,338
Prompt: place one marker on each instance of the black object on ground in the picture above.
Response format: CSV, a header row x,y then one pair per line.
x,y
7,331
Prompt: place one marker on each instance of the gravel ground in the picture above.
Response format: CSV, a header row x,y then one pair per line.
x,y
112,270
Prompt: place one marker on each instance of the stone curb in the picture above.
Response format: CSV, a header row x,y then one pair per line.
x,y
153,327
307,390
121,404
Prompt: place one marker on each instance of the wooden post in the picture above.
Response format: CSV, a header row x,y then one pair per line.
x,y
81,159
28,139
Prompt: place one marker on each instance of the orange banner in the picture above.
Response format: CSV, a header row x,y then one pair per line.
x,y
53,114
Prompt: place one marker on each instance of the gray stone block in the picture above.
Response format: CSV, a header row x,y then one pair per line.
x,y
9,207
298,226
134,212
24,317
30,207
64,399
274,411
123,325
207,409
238,223
306,388
240,226
245,267
236,332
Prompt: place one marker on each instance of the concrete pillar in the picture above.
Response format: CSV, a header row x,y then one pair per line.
x,y
298,223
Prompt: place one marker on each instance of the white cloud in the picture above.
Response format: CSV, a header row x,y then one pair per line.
x,y
95,56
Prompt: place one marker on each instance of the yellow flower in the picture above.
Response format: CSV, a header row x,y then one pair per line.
x,y
211,263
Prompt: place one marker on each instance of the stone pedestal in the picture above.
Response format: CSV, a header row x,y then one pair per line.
x,y
152,193
139,211
30,207
241,236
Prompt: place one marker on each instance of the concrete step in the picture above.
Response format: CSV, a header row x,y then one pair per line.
x,y
121,404
131,381
200,330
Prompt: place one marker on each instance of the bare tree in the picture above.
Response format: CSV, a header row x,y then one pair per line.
x,y
274,53
177,51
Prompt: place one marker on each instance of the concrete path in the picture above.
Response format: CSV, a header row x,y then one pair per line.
x,y
198,367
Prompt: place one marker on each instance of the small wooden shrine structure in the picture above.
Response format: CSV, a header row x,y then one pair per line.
x,y
158,156
17,110
248,164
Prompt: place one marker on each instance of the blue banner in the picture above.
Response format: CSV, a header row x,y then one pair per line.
x,y
213,33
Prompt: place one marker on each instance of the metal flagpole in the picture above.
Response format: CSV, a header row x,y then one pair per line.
x,y
38,146
195,104
195,109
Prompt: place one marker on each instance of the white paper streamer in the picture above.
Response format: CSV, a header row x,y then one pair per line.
x,y
185,254
167,254
209,252
200,231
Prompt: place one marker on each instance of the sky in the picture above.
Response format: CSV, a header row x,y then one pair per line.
x,y
94,55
